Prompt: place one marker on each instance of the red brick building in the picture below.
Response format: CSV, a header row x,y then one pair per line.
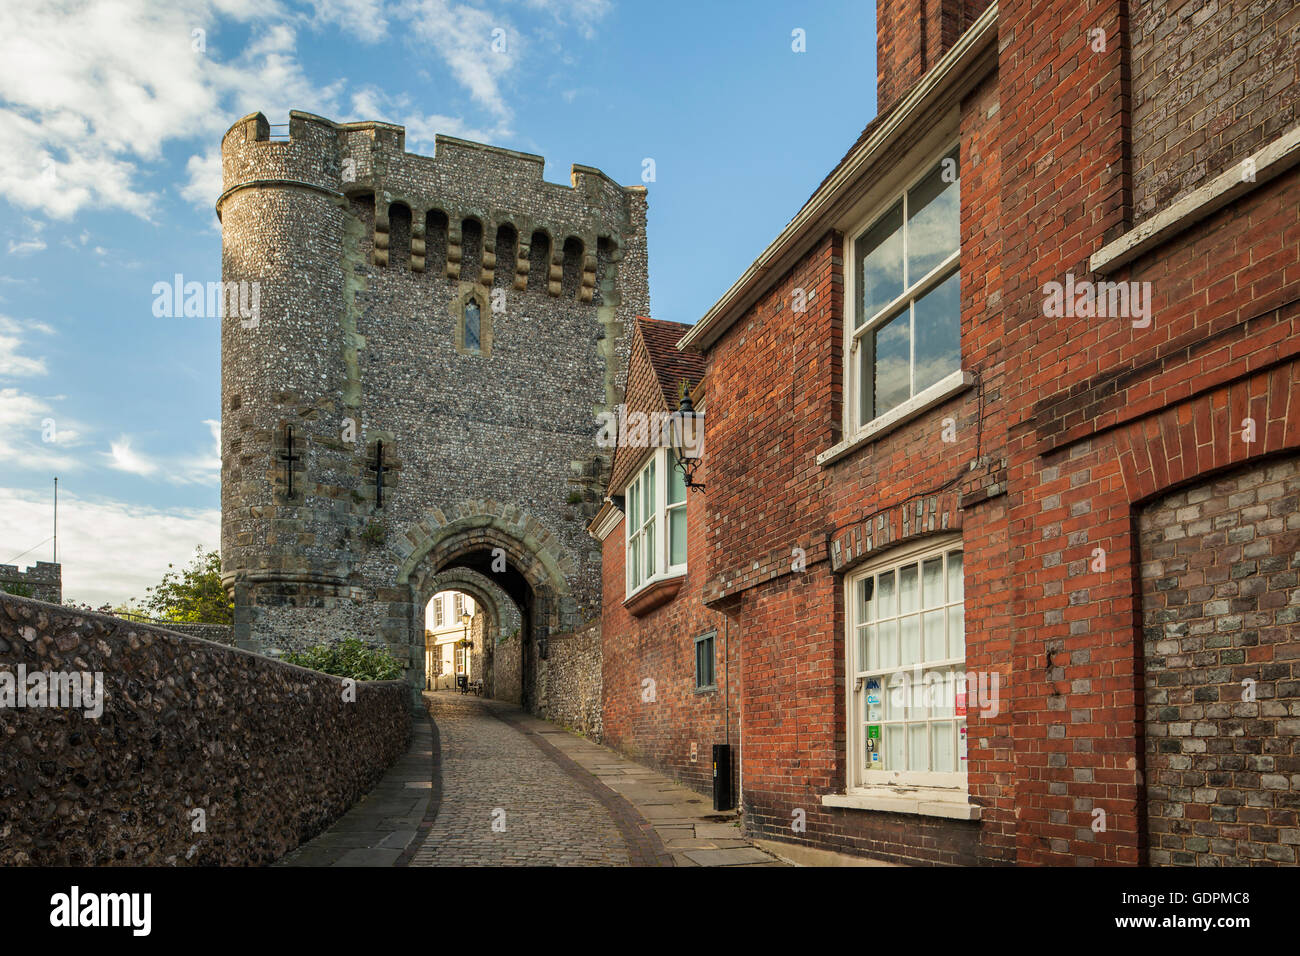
x,y
1002,513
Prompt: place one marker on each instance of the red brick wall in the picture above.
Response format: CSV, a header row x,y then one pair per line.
x,y
1106,415
660,645
775,403
1072,425
911,37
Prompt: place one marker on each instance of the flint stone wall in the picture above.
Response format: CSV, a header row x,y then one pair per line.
x,y
270,752
570,681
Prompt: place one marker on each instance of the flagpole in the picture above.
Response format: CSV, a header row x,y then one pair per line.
x,y
56,520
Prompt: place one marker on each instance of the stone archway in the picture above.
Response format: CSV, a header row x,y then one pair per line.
x,y
501,639
510,548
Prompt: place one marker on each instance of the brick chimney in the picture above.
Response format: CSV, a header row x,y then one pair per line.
x,y
911,37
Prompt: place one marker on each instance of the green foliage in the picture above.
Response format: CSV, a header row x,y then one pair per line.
x,y
351,657
375,533
17,589
575,497
194,595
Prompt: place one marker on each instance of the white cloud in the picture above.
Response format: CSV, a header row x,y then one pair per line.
x,y
203,468
33,435
370,103
13,365
463,37
363,18
583,13
94,537
122,457
92,91
204,185
27,247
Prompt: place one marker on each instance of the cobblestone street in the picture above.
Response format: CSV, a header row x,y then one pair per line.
x,y
505,802
485,784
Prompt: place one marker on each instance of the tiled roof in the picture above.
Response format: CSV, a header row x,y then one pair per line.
x,y
670,364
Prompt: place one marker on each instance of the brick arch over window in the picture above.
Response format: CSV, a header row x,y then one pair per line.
x,y
1087,662
915,519
1208,433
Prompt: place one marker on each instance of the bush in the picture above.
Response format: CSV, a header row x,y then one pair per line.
x,y
351,657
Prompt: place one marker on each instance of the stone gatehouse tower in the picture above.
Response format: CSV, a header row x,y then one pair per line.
x,y
410,397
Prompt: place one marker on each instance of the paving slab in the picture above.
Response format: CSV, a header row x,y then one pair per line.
x,y
734,857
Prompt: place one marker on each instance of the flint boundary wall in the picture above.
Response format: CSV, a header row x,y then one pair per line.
x,y
269,752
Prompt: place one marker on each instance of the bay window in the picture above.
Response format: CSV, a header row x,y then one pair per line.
x,y
655,519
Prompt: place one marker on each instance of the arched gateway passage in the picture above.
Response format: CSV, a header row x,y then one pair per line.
x,y
494,633
489,556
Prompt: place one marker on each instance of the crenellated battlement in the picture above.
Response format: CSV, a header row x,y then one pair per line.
x,y
349,158
446,211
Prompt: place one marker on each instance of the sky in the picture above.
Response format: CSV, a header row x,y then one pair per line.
x,y
111,117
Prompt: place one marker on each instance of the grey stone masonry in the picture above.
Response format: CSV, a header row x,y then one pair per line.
x,y
1221,619
461,312
41,582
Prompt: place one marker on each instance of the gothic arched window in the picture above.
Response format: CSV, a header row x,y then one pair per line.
x,y
473,320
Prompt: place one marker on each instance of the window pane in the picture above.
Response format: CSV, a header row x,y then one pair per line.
x,y
866,648
865,592
935,646
886,607
933,219
907,589
956,632
676,482
866,381
938,332
633,565
650,491
891,368
932,582
888,645
471,325
941,738
918,747
894,747
911,640
895,693
880,264
677,535
955,591
874,704
942,692
650,550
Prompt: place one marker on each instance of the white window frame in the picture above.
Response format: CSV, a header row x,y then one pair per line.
x,y
860,779
657,524
855,335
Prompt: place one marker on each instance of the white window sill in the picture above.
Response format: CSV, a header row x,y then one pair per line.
x,y
918,404
923,801
1271,161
